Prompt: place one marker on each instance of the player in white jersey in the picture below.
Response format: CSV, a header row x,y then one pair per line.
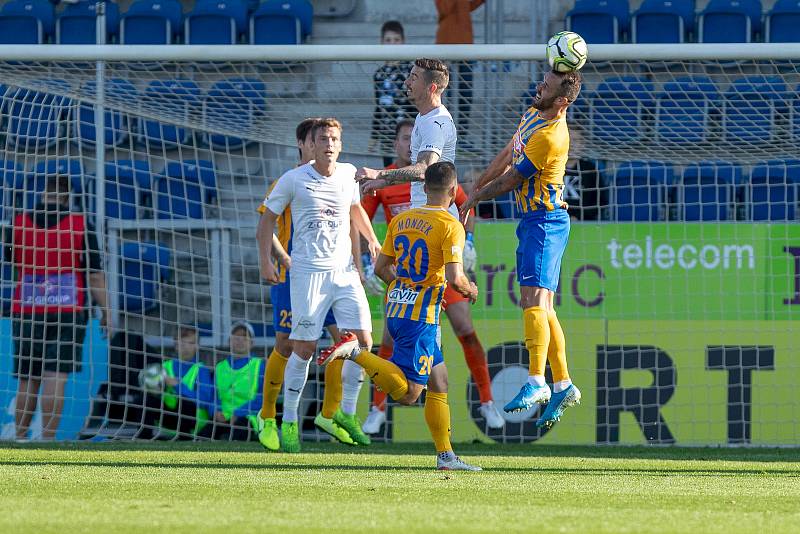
x,y
434,139
324,200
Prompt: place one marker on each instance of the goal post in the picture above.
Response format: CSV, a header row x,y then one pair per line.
x,y
678,292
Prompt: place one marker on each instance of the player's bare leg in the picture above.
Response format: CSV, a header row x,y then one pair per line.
x,y
460,318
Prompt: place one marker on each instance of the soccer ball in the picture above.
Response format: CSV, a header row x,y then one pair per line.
x,y
152,378
566,51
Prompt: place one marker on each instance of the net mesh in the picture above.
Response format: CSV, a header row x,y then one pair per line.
x,y
678,321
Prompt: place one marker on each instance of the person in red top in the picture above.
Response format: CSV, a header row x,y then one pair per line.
x,y
56,257
396,199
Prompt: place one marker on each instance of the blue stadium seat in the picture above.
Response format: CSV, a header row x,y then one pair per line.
x,y
773,191
77,24
13,183
599,21
26,22
638,190
36,119
236,103
281,22
177,99
750,106
618,106
127,185
215,22
151,22
730,21
782,22
37,179
144,267
683,109
116,123
662,21
7,286
184,190
706,191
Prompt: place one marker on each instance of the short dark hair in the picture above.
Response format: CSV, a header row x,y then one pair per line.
x,y
434,71
393,26
570,86
328,122
440,176
305,126
402,124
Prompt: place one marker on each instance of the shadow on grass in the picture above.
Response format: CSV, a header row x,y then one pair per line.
x,y
733,454
588,471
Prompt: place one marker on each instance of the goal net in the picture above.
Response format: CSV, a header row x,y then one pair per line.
x,y
677,292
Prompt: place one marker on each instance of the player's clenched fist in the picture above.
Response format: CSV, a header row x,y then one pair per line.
x,y
267,270
473,293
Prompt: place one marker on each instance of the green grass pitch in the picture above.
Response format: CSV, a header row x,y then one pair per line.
x,y
236,488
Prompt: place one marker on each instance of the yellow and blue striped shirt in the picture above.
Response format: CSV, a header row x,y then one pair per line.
x,y
421,241
541,149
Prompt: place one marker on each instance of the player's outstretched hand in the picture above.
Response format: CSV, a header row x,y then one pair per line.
x,y
374,249
473,297
267,270
365,173
370,187
465,208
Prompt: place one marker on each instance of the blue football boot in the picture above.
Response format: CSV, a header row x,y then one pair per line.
x,y
527,397
558,403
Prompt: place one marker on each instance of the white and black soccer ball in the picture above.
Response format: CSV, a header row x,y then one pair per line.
x,y
566,52
152,378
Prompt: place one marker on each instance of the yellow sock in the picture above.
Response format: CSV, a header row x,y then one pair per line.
x,y
557,350
333,388
437,415
383,374
537,338
273,380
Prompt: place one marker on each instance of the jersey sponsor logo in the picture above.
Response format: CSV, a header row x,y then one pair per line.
x,y
403,295
329,219
428,148
51,289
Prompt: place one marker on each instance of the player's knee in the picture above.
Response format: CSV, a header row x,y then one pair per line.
x,y
438,382
460,319
283,344
409,398
304,349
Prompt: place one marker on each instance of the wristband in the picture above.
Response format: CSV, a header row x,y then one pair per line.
x,y
470,237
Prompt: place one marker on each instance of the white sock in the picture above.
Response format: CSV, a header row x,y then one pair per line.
x,y
536,380
294,380
560,386
352,380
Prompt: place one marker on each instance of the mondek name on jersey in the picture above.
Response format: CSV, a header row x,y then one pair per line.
x,y
410,223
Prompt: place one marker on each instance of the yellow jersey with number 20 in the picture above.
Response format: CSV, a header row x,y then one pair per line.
x,y
421,241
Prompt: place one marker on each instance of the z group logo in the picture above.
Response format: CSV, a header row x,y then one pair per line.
x,y
330,213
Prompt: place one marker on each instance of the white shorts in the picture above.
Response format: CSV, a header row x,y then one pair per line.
x,y
313,294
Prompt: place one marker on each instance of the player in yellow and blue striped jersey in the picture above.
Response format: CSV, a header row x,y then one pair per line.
x,y
420,256
533,166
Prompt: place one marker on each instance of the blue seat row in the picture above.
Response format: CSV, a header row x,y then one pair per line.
x,y
158,22
706,191
676,21
622,109
37,119
181,190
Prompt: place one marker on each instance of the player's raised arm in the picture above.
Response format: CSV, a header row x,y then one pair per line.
x,y
510,180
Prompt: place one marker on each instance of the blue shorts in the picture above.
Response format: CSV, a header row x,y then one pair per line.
x,y
282,308
416,348
543,237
